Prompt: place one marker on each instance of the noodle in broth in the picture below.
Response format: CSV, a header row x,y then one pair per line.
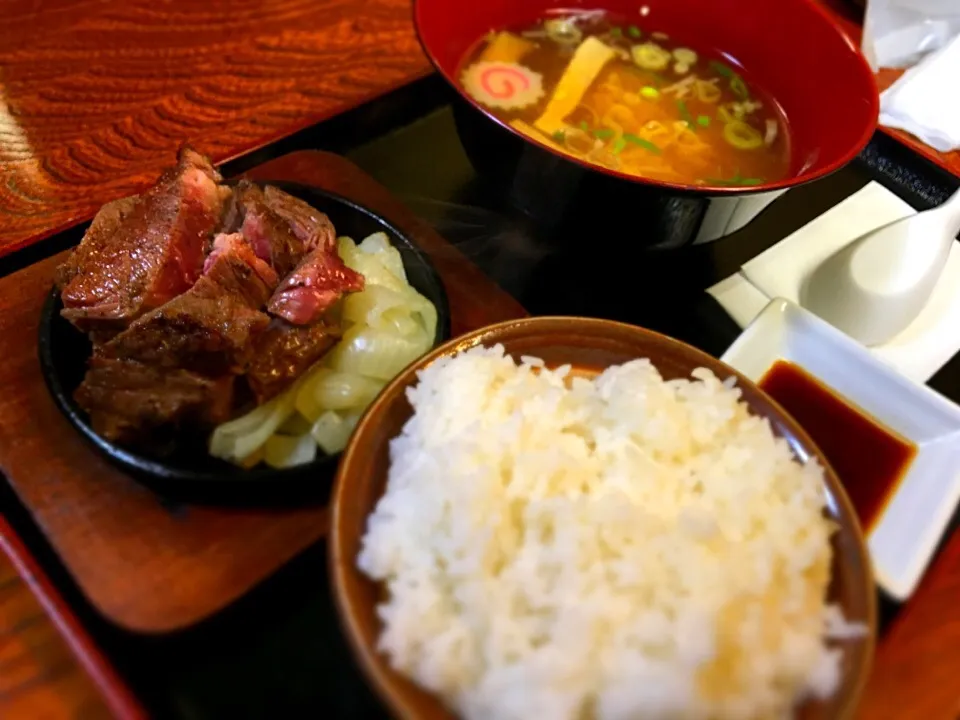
x,y
621,98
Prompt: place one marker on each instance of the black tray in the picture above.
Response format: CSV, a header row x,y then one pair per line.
x,y
279,651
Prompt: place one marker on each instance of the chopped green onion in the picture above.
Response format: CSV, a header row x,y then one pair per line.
x,y
736,180
685,113
720,69
739,87
633,31
651,93
703,120
618,145
645,144
603,134
584,126
563,31
559,136
616,31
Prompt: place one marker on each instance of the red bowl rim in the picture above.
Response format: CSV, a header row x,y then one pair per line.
x,y
782,184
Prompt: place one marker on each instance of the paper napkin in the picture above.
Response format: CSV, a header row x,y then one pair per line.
x,y
781,271
924,101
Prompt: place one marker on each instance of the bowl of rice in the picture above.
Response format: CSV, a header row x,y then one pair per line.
x,y
571,518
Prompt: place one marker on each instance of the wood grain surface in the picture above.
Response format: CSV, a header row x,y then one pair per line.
x,y
49,668
849,19
916,673
95,95
144,566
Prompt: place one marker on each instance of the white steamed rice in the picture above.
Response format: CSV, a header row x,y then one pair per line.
x,y
623,547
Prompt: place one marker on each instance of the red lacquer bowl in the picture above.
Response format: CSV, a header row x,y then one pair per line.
x,y
789,47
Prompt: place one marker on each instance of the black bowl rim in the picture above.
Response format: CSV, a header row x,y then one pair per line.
x,y
157,474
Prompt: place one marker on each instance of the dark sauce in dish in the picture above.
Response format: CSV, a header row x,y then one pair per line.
x,y
869,458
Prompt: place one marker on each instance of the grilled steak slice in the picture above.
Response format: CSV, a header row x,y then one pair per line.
x,y
270,236
317,283
210,328
127,399
154,252
237,251
309,224
105,224
284,352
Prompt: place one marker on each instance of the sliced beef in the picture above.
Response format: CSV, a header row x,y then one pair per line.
x,y
142,254
233,212
309,224
317,283
235,247
126,399
105,224
211,328
284,352
175,318
271,237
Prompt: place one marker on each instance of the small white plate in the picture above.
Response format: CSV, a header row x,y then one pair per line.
x,y
904,538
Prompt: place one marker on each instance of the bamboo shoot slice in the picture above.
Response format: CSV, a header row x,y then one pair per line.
x,y
586,63
527,129
506,47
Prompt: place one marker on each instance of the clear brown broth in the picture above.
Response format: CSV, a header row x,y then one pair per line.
x,y
695,123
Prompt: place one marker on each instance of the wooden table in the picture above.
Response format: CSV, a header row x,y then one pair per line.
x,y
97,94
94,97
43,674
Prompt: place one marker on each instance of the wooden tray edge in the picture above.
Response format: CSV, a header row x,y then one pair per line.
x,y
123,608
117,696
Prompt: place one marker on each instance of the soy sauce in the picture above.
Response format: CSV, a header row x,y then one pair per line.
x,y
868,458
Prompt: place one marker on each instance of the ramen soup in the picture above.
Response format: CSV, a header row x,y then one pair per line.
x,y
622,97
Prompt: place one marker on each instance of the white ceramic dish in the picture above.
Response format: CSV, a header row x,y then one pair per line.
x,y
904,538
